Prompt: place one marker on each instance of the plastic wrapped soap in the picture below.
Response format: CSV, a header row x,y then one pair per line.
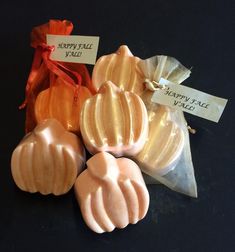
x,y
111,193
48,159
121,68
115,121
58,102
166,156
165,142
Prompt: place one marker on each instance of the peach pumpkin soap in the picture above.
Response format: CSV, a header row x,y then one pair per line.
x,y
111,193
115,121
121,68
48,159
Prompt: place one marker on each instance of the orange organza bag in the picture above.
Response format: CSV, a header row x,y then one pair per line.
x,y
54,89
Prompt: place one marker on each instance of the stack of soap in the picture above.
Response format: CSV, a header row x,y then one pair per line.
x,y
119,120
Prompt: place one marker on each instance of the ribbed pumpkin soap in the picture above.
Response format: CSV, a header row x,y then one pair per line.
x,y
48,159
165,142
115,121
59,102
111,193
121,68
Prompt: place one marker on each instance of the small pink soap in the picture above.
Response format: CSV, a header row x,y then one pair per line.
x,y
48,159
111,193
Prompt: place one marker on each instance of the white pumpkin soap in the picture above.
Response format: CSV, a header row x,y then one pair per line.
x,y
165,143
166,140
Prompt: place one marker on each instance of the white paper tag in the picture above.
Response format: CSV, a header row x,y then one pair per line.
x,y
190,100
72,48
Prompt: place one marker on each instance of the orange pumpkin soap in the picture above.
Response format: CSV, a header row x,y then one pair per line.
x,y
111,193
58,102
121,68
115,121
48,159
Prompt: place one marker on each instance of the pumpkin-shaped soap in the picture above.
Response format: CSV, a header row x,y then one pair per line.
x,y
115,121
111,193
58,102
48,159
165,141
121,68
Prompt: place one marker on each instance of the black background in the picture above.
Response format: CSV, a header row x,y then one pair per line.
x,y
198,33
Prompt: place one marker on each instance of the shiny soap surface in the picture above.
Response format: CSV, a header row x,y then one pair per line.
x,y
121,68
115,121
48,159
165,141
58,102
111,193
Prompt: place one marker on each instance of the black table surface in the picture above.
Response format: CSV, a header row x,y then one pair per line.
x,y
198,33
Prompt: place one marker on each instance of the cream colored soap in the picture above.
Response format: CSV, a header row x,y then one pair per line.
x,y
165,142
48,159
111,193
115,121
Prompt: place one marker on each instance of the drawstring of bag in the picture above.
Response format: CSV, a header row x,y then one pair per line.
x,y
42,54
153,85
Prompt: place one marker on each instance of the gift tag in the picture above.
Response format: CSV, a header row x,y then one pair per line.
x,y
72,48
190,100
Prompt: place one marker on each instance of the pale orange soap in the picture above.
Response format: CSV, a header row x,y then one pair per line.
x,y
121,68
59,102
48,159
111,193
115,121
